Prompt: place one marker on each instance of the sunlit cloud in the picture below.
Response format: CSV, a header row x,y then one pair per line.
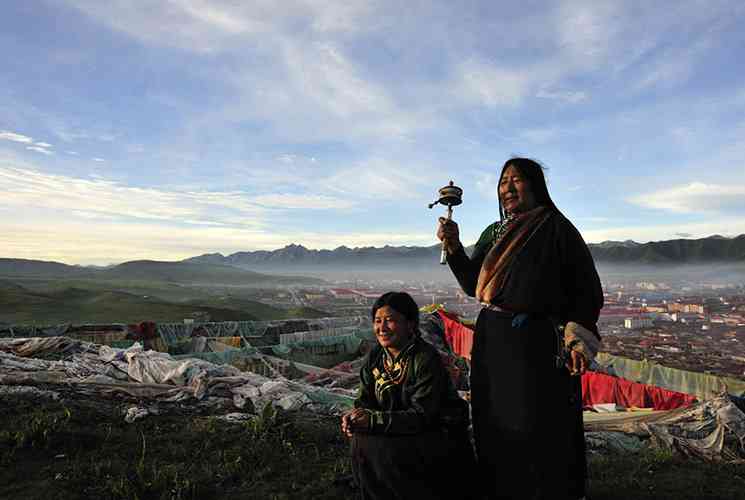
x,y
41,150
12,136
76,243
696,197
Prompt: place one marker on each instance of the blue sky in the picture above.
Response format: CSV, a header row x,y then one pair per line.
x,y
165,129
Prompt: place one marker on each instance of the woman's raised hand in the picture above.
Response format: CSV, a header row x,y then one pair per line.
x,y
449,234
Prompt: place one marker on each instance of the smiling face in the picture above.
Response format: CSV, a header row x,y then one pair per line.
x,y
514,191
392,329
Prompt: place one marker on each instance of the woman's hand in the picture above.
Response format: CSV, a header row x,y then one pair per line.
x,y
576,363
448,233
354,421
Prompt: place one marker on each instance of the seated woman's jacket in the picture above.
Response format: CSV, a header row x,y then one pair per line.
x,y
409,394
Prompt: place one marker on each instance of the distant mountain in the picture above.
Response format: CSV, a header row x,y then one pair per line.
x,y
194,273
26,268
210,272
297,256
712,249
613,244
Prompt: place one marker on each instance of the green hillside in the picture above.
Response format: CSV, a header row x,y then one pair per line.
x,y
147,271
187,272
19,305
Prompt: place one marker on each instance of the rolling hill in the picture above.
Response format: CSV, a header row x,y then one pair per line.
x,y
19,305
187,273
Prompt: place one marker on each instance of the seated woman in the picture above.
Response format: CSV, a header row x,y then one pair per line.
x,y
409,427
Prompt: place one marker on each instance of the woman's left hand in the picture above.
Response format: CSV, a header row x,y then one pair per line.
x,y
576,363
355,421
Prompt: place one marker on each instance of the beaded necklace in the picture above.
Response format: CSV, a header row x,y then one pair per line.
x,y
503,226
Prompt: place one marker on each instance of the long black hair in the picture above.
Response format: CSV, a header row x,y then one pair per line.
x,y
400,302
533,173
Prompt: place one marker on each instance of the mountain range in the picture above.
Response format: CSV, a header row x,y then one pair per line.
x,y
215,268
680,251
189,272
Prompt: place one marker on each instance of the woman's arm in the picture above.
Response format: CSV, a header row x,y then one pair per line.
x,y
580,280
466,269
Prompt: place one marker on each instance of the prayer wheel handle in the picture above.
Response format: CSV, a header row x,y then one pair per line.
x,y
450,196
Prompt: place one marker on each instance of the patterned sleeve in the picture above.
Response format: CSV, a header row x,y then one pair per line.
x,y
366,391
466,269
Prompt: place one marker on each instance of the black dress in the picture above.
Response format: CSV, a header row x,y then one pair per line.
x,y
417,445
527,414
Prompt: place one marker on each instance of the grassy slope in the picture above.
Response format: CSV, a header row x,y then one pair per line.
x,y
102,305
80,450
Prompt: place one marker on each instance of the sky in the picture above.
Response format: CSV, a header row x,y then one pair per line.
x,y
165,129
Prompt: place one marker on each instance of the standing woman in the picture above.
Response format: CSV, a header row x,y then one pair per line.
x,y
532,271
409,427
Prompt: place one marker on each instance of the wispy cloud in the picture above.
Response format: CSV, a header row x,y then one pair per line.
x,y
12,136
76,243
106,199
696,197
486,185
376,179
98,159
294,201
39,149
569,96
485,83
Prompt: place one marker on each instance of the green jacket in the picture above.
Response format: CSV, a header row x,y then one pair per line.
x,y
419,398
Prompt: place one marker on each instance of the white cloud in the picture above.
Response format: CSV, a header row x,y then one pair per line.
x,y
295,201
12,136
30,188
696,197
569,96
99,198
586,29
98,159
486,185
43,144
539,135
73,153
39,150
376,179
492,86
82,243
287,158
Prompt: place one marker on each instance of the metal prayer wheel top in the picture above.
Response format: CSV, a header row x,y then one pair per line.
x,y
450,195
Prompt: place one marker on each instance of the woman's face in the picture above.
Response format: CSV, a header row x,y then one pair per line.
x,y
514,191
391,328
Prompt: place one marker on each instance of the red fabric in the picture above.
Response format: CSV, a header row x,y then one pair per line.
x,y
145,330
601,388
458,335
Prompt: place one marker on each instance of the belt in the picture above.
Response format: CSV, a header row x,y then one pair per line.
x,y
496,308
